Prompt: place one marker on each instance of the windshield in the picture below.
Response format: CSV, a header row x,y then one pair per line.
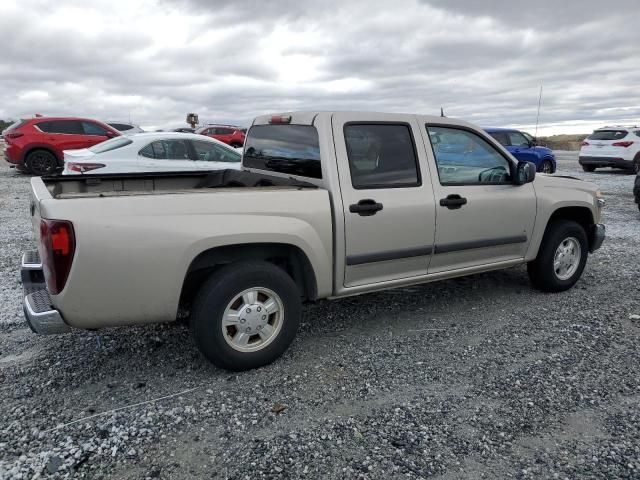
x,y
292,149
608,135
112,144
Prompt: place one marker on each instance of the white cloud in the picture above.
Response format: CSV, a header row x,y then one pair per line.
x,y
484,61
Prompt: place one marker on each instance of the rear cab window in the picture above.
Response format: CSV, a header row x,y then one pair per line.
x,y
608,135
290,149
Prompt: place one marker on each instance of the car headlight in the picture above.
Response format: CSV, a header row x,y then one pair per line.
x,y
600,199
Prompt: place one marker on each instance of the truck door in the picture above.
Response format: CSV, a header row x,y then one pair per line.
x,y
387,198
483,217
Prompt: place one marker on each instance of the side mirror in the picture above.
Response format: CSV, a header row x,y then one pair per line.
x,y
525,172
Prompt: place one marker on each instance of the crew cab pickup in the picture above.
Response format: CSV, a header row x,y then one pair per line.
x,y
327,205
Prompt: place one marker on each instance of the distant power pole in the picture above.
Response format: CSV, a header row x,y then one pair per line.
x,y
538,115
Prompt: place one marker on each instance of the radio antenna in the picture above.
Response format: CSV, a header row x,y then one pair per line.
x,y
538,115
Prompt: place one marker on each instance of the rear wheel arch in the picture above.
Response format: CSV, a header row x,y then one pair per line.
x,y
290,258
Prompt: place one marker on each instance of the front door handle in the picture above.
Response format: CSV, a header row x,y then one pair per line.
x,y
453,202
366,207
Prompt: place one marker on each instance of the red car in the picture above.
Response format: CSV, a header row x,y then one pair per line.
x,y
35,145
229,134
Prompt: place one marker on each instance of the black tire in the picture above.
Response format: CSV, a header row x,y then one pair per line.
x,y
541,271
219,291
41,162
546,167
588,168
236,145
635,168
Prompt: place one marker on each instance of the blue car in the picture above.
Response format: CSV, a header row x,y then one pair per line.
x,y
523,146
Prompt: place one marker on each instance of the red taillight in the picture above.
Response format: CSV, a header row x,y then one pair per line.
x,y
58,247
280,119
584,144
13,135
622,144
84,167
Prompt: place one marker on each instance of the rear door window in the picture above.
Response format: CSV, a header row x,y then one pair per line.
x,y
502,138
608,135
292,149
167,150
69,127
381,156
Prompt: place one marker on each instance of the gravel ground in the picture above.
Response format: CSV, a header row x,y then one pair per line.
x,y
480,377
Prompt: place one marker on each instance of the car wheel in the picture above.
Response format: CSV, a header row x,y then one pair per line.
x,y
588,168
246,315
236,145
41,162
546,167
636,165
561,258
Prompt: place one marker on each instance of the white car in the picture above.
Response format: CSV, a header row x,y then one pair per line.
x,y
125,128
152,152
617,147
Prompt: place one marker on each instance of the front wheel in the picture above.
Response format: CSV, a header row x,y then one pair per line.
x,y
246,315
588,168
561,258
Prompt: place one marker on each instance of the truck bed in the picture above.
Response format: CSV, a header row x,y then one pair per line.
x,y
115,185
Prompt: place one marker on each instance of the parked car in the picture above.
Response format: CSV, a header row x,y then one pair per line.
x,y
617,147
304,220
35,145
523,146
229,134
152,152
184,130
126,128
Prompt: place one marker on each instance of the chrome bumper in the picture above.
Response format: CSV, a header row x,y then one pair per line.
x,y
41,317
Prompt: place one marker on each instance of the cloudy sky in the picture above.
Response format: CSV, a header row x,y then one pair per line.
x,y
484,61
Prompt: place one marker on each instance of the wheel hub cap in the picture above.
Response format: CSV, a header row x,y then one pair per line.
x,y
567,258
253,319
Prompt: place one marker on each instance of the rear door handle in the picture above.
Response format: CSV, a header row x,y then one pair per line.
x,y
366,207
453,202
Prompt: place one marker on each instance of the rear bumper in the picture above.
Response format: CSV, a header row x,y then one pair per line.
x,y
597,237
605,162
40,315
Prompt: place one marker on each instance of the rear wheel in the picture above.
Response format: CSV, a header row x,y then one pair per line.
x,y
41,162
561,258
546,167
236,145
636,165
588,168
246,315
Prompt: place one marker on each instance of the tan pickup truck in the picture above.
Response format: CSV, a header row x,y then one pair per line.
x,y
328,204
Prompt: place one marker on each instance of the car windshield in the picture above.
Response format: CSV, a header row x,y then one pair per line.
x,y
608,135
112,144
